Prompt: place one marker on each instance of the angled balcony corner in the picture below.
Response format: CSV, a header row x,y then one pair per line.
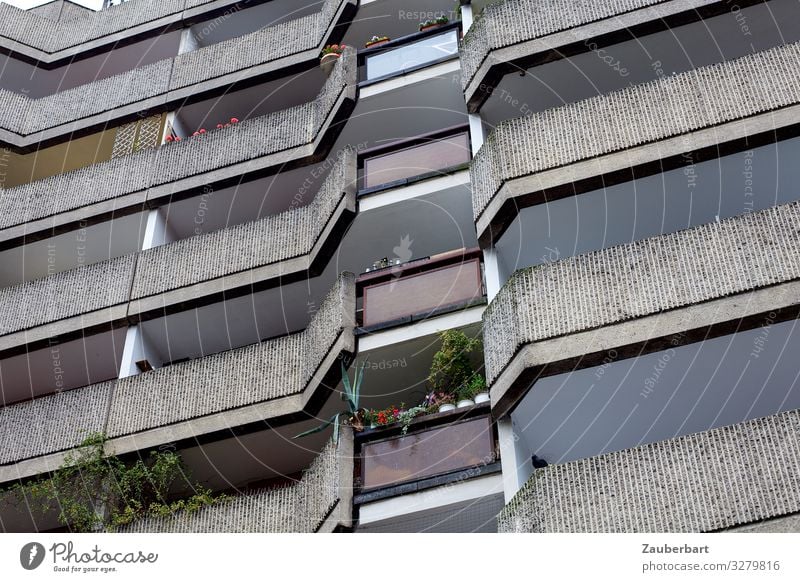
x,y
284,245
285,137
158,85
96,293
320,501
49,40
737,474
648,127
244,386
514,35
608,299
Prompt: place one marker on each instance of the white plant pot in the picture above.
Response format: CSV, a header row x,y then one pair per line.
x,y
481,397
447,407
327,62
465,403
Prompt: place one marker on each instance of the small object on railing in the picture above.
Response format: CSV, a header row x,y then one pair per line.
x,y
376,41
330,54
433,23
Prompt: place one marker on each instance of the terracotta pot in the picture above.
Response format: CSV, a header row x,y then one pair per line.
x,y
327,62
378,43
430,26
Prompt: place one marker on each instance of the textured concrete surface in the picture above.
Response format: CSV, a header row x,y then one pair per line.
x,y
702,482
281,373
785,524
234,379
250,140
48,31
66,294
641,114
642,278
158,84
301,507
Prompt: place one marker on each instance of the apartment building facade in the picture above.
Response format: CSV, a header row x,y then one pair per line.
x,y
203,225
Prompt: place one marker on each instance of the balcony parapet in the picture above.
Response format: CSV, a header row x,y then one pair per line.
x,y
273,378
159,85
70,293
268,245
701,482
514,35
543,151
319,502
53,423
51,40
285,136
648,277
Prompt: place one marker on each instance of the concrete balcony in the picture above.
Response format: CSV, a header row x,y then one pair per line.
x,y
252,255
280,379
286,137
93,295
275,378
638,131
46,36
702,482
515,35
163,84
696,284
320,501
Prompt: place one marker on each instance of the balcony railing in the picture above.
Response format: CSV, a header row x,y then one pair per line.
x,y
435,446
397,163
397,58
252,144
696,483
163,82
267,241
257,374
273,378
76,292
505,27
53,423
646,277
638,115
420,288
319,501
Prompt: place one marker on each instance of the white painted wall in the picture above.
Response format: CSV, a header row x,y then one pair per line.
x,y
28,4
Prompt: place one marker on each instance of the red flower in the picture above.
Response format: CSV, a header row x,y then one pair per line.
x,y
195,133
170,138
234,120
177,139
219,126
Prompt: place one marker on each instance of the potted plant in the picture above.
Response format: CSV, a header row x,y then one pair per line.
x,y
330,54
376,41
433,23
354,415
452,372
440,401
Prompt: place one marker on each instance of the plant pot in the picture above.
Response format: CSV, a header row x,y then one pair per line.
x,y
447,407
327,62
481,397
430,27
465,403
376,44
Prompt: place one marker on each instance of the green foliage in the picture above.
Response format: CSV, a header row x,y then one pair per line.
x,y
354,416
452,371
94,492
475,385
